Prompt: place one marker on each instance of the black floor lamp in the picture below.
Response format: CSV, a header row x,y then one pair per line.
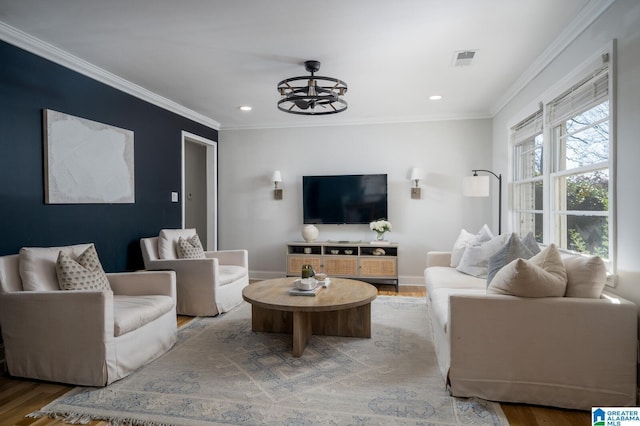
x,y
478,186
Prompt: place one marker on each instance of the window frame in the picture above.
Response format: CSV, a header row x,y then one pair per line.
x,y
550,173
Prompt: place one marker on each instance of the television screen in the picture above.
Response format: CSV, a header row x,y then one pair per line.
x,y
342,199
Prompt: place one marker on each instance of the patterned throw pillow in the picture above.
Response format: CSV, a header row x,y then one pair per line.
x,y
190,248
83,273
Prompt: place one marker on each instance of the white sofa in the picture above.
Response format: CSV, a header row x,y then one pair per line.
x,y
84,337
559,351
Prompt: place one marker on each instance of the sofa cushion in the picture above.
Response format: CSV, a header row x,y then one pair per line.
x,y
440,302
132,312
190,248
83,273
231,273
543,275
38,266
437,277
466,238
168,241
475,260
513,249
586,276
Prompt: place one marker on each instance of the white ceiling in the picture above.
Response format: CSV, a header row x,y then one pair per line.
x,y
211,56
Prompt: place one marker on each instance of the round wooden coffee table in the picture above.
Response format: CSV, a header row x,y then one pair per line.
x,y
342,309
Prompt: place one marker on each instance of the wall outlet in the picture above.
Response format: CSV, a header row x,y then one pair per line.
x,y
174,197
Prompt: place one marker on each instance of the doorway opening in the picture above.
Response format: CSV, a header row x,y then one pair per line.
x,y
200,188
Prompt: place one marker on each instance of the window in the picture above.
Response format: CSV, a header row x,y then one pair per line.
x,y
527,140
562,162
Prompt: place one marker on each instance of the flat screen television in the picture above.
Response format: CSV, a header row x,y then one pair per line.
x,y
344,199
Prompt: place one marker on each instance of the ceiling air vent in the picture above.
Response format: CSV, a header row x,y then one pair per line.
x,y
463,58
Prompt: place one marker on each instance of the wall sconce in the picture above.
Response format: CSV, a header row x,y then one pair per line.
x,y
478,186
276,178
416,176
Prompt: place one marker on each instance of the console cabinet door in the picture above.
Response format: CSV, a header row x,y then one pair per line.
x,y
294,266
378,268
341,265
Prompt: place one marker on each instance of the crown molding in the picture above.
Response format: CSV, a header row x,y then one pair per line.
x,y
580,23
38,47
364,122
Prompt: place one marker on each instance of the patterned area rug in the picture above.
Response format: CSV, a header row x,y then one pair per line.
x,y
221,372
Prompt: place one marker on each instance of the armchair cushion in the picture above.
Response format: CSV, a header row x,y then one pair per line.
x,y
190,248
38,266
231,273
132,312
168,241
83,273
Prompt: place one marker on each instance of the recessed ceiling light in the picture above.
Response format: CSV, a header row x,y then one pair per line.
x,y
435,97
245,108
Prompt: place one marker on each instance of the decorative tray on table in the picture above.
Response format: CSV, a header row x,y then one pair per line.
x,y
308,286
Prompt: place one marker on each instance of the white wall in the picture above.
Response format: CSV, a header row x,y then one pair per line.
x,y
250,218
622,22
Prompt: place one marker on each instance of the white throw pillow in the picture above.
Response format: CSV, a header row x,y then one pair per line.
x,y
586,276
465,239
168,241
38,266
543,275
475,260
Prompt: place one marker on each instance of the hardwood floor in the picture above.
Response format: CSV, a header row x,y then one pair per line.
x,y
18,397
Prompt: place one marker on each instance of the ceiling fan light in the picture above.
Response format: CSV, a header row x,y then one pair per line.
x,y
301,95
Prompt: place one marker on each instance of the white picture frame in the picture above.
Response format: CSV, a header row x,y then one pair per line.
x,y
87,162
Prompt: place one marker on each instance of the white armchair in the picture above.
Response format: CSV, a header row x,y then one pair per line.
x,y
206,287
87,338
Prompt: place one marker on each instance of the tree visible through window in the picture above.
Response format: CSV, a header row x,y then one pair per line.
x,y
582,181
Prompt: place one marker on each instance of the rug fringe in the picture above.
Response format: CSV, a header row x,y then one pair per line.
x,y
83,419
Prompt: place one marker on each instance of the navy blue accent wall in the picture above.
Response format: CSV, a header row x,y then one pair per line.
x,y
29,84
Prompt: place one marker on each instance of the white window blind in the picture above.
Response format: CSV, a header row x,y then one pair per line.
x,y
587,93
527,128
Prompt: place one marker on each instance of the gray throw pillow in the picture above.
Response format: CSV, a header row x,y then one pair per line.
x,y
530,242
512,250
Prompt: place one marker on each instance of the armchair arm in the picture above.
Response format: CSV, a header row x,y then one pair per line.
x,y
143,283
195,278
61,336
438,258
230,257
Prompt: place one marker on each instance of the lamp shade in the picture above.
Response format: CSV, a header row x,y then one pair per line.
x,y
276,177
416,174
475,186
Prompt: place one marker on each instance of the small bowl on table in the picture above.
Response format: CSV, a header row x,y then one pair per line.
x,y
320,276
